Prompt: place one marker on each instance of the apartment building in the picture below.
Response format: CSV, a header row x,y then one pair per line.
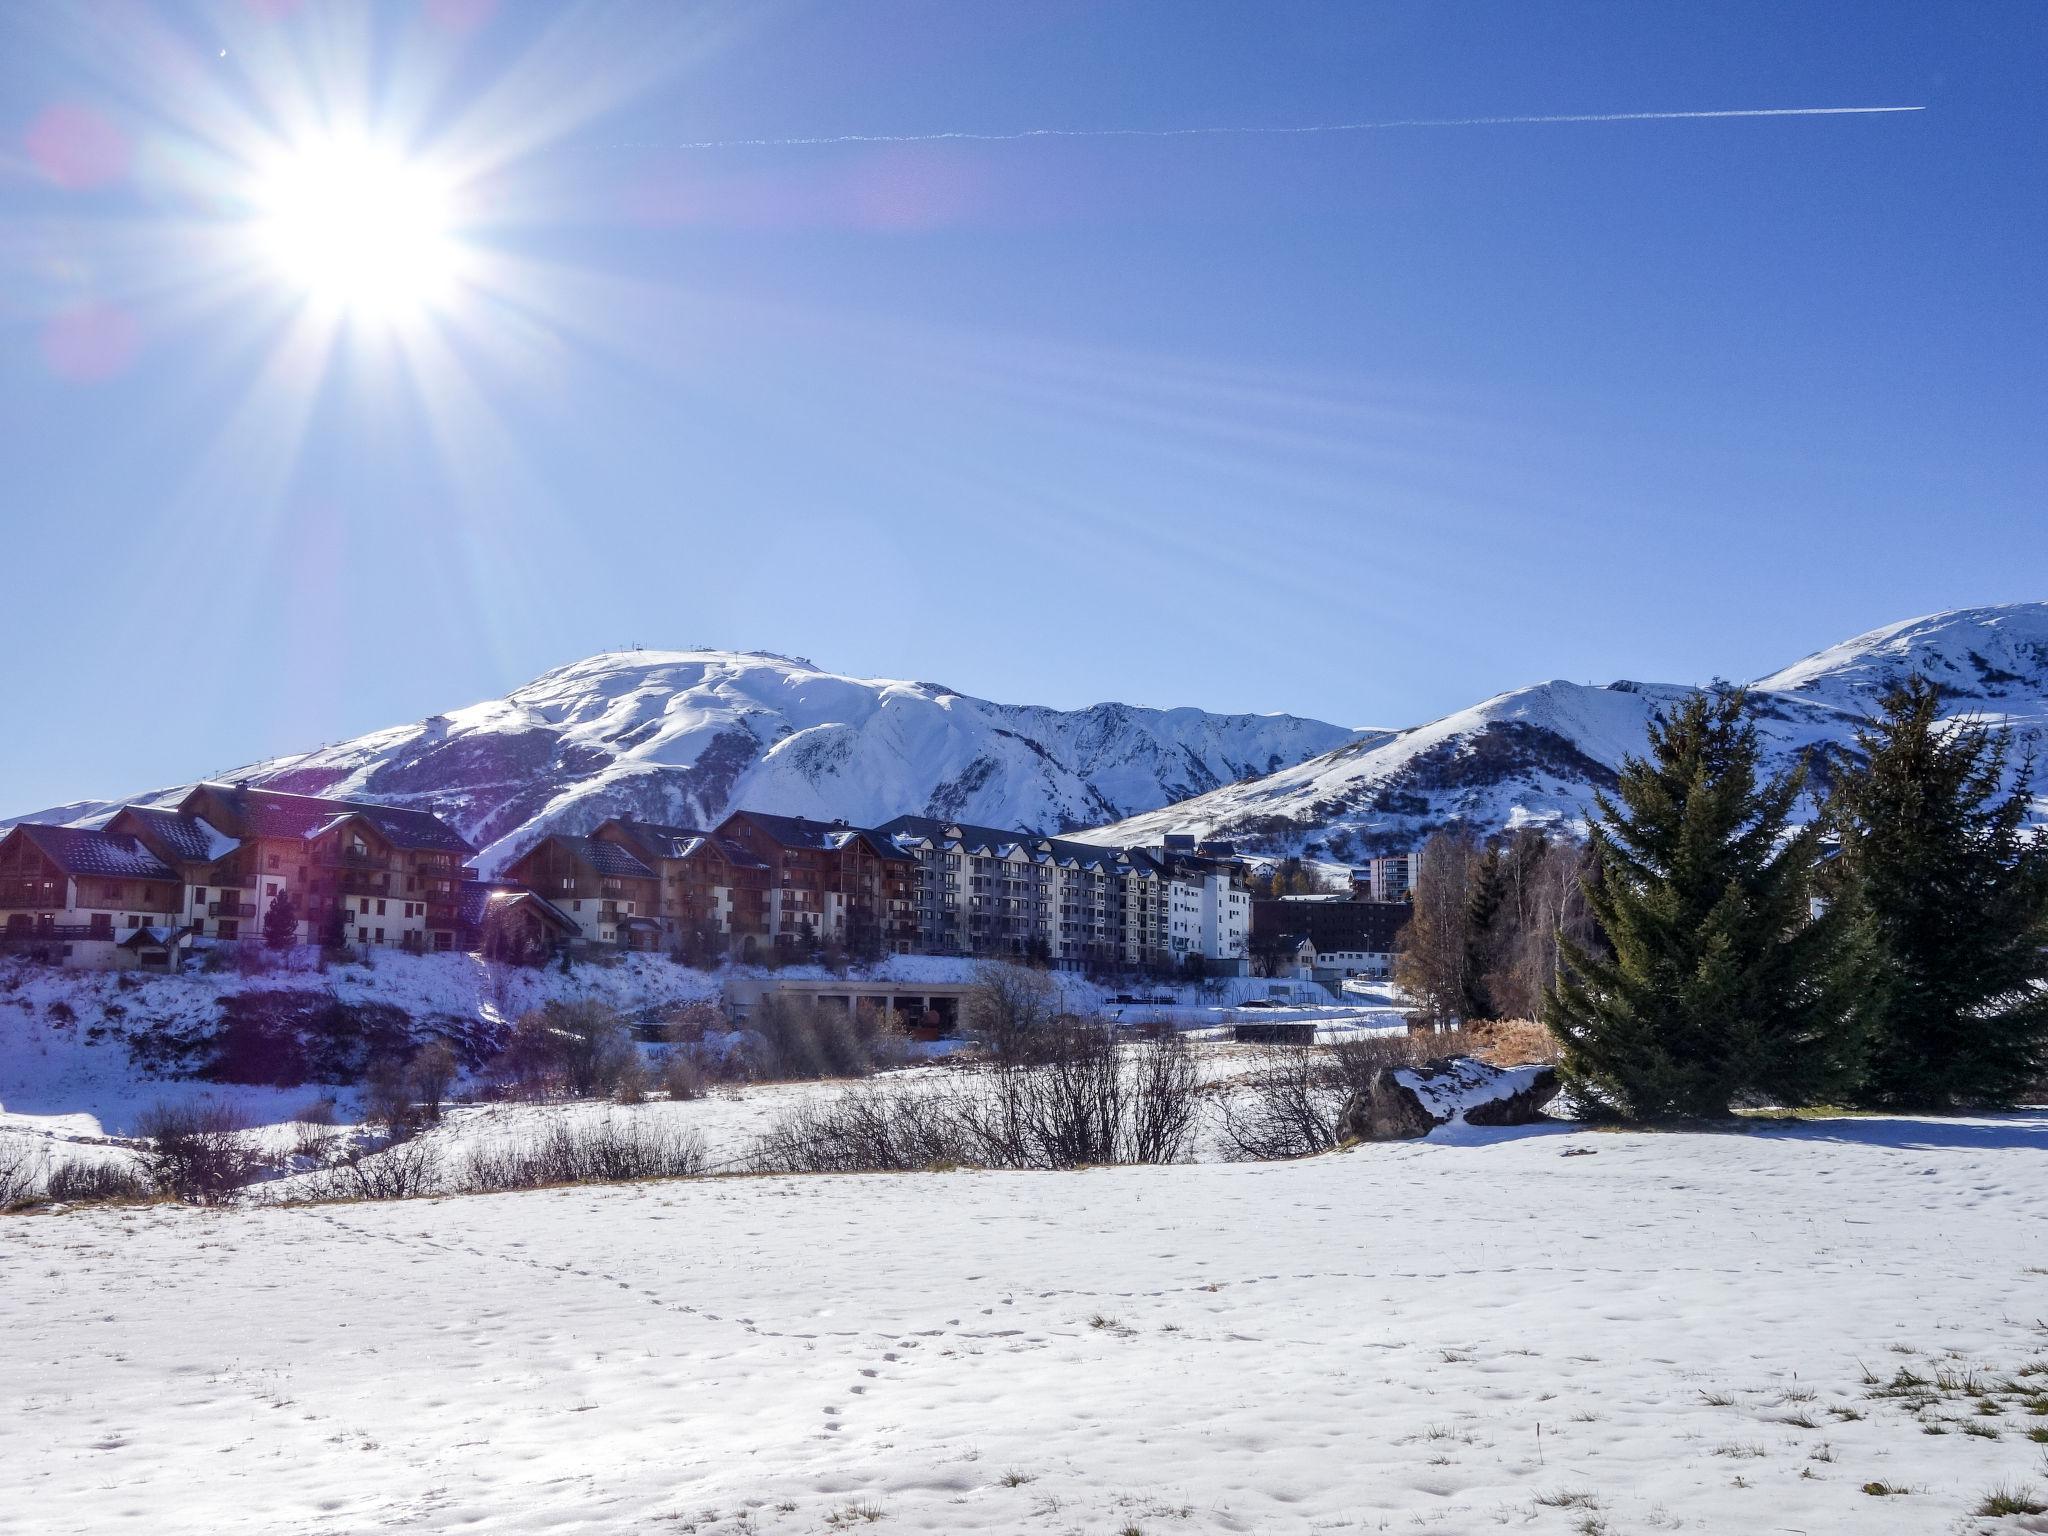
x,y
354,872
350,872
1351,937
1388,877
713,893
90,898
829,882
603,886
1209,910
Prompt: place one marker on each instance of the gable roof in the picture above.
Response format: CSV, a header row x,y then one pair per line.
x,y
606,858
663,842
189,839
275,813
824,836
479,898
80,851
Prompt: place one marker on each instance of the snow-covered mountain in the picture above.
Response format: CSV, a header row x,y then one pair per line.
x,y
1537,754
685,736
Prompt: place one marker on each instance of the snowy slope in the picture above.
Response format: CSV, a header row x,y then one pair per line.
x,y
1536,755
685,736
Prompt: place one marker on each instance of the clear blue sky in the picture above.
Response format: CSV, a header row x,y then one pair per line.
x,y
1357,425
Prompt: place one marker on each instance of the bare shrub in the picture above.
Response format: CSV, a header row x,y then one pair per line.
x,y
1287,1106
629,1085
607,1151
387,1097
97,1182
790,1036
429,1075
404,1170
682,1076
1009,1010
22,1169
1292,1101
866,1130
578,1049
1087,1101
195,1152
1514,1043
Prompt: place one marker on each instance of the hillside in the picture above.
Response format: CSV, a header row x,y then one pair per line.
x,y
1536,755
686,736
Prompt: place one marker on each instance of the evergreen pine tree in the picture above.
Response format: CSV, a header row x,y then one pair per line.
x,y
280,921
1485,891
1722,983
1950,898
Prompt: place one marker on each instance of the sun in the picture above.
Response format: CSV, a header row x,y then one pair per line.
x,y
359,228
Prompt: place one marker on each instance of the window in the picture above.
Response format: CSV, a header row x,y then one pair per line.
x,y
380,935
362,935
380,913
273,862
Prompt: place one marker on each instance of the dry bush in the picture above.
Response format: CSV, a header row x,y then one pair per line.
x,y
682,1076
404,1170
1514,1043
573,1049
1087,1101
429,1075
97,1183
1292,1102
866,1130
22,1169
791,1037
607,1151
196,1152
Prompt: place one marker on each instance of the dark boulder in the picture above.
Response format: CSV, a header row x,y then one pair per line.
x,y
1385,1109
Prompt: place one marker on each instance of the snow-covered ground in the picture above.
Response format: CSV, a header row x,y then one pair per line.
x,y
1473,1332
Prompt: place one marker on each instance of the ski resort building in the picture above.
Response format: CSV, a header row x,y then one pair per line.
x,y
1012,894
604,888
216,867
713,893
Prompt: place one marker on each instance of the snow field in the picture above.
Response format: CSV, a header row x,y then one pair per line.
x,y
1451,1334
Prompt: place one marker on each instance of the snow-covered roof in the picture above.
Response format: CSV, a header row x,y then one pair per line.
x,y
80,851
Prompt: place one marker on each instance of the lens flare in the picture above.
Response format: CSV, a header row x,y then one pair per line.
x,y
358,227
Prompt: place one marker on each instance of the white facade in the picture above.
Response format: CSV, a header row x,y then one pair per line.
x,y
1392,875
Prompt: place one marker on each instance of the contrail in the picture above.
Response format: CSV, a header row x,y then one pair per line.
x,y
1270,132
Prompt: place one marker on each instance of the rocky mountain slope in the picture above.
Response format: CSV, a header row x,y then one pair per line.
x,y
1536,755
685,736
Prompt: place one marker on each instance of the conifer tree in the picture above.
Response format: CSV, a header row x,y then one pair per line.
x,y
1949,897
281,921
1722,983
1485,890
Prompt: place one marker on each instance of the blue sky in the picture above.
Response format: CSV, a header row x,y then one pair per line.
x,y
1358,425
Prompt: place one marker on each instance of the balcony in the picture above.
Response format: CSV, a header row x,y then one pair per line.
x,y
231,909
20,894
349,858
362,883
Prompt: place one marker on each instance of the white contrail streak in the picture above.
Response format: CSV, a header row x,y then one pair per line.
x,y
1256,132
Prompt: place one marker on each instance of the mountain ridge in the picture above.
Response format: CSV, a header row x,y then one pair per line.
x,y
1535,755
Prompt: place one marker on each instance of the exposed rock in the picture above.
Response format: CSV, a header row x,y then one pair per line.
x,y
1523,1106
1384,1110
1402,1103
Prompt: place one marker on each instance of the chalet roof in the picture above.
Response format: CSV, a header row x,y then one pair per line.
x,y
803,832
189,839
275,813
79,851
137,938
478,898
605,858
667,842
940,832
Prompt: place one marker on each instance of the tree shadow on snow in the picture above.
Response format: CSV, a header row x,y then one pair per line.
x,y
2025,1128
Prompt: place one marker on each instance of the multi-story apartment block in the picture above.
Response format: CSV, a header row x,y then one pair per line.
x,y
353,871
1388,877
713,892
79,896
217,865
606,889
828,882
1209,910
985,891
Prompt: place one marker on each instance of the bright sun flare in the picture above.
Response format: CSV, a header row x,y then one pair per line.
x,y
358,227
